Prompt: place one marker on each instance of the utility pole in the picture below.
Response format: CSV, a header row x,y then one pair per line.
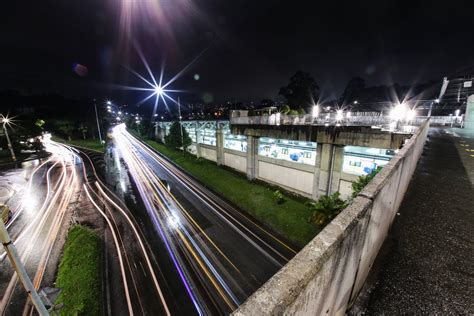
x,y
10,249
180,125
5,121
97,119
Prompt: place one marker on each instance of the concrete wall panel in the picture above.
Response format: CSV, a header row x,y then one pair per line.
x,y
234,161
292,179
208,153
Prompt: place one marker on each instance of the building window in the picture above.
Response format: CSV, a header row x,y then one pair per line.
x,y
235,142
294,151
363,160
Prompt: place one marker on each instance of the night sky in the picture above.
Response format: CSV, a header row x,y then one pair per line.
x,y
248,48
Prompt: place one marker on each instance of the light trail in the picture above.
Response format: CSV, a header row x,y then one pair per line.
x,y
110,205
62,193
161,208
180,177
179,230
119,252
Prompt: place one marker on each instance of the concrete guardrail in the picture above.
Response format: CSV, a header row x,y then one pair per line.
x,y
326,276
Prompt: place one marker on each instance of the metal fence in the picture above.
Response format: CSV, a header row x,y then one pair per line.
x,y
355,119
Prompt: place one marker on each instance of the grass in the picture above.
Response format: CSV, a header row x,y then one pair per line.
x,y
290,219
93,144
79,274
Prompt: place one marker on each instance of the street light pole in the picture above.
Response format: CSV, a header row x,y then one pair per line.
x,y
10,249
180,125
5,121
97,119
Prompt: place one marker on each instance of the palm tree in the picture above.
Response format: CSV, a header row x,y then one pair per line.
x,y
326,208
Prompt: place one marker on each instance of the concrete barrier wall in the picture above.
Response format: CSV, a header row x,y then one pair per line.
x,y
208,152
327,275
236,160
292,179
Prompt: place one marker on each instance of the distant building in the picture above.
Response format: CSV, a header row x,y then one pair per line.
x,y
456,90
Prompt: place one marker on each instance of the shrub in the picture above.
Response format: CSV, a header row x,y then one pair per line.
x,y
326,208
178,137
278,197
285,110
293,112
362,181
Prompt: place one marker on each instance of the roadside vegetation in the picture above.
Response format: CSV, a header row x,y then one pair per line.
x,y
93,144
326,208
285,214
362,181
79,274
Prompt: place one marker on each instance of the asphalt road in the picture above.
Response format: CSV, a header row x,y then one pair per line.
x,y
212,255
40,205
428,268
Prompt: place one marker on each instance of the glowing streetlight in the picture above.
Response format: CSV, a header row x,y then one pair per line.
x,y
356,102
398,112
411,115
159,90
339,115
6,120
437,100
315,111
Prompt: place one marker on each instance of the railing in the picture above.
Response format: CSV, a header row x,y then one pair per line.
x,y
356,119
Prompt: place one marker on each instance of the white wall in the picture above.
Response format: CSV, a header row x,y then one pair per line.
x,y
235,161
292,179
208,153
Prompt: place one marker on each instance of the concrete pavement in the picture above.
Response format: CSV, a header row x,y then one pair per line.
x,y
429,257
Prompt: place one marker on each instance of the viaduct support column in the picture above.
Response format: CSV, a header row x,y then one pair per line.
x,y
162,133
252,157
197,131
329,160
469,117
219,145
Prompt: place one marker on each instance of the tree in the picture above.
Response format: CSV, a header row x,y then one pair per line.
x,y
83,129
285,109
174,138
65,127
362,181
302,91
352,90
326,208
40,123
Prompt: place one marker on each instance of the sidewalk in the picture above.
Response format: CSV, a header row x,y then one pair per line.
x,y
429,265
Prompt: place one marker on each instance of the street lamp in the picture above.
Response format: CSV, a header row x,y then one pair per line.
x,y
97,120
315,111
5,121
159,90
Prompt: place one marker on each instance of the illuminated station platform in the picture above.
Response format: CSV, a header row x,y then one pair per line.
x,y
310,160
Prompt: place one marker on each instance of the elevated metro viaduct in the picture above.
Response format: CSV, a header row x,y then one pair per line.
x,y
325,177
327,173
